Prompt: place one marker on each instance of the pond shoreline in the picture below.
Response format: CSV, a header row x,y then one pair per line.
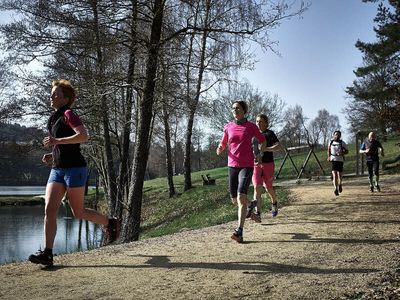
x,y
21,200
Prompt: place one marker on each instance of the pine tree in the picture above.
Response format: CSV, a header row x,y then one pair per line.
x,y
375,102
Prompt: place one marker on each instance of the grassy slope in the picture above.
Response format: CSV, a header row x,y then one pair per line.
x,y
199,207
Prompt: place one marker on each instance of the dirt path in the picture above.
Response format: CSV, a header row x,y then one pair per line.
x,y
319,247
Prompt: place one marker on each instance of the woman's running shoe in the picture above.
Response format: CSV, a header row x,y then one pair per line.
x,y
42,257
237,236
250,208
112,230
256,217
274,210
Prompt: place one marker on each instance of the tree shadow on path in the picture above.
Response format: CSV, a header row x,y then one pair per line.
x,y
162,261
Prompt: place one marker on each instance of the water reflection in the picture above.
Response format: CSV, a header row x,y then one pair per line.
x,y
21,233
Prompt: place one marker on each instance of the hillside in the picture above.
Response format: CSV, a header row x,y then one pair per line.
x,y
18,133
20,156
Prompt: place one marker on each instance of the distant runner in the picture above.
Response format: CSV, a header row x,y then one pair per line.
x,y
337,149
371,148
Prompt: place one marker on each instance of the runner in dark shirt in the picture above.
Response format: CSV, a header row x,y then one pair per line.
x,y
69,171
371,147
264,169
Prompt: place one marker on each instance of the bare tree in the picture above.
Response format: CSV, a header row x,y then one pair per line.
x,y
220,46
124,172
82,37
192,103
322,127
259,102
293,133
131,228
9,108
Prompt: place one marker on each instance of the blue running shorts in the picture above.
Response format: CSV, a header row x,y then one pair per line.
x,y
70,177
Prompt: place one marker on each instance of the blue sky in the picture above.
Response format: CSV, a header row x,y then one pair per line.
x,y
318,56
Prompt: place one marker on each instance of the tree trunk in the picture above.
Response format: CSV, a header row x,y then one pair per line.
x,y
110,176
168,161
188,147
193,105
123,182
131,222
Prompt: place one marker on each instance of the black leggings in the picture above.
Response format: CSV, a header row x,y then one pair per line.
x,y
373,168
239,180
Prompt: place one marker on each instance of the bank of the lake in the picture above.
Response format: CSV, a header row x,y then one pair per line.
x,y
21,196
21,200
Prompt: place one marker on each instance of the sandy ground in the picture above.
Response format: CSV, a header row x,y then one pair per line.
x,y
319,247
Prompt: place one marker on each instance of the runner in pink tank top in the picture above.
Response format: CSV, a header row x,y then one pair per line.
x,y
238,137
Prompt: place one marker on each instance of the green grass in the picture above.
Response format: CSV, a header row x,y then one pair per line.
x,y
392,151
201,206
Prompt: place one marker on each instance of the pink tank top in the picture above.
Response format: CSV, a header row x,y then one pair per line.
x,y
239,137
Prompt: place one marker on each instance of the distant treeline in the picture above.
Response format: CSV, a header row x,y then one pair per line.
x,y
20,155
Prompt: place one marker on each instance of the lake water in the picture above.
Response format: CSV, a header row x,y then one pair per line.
x,y
21,232
22,190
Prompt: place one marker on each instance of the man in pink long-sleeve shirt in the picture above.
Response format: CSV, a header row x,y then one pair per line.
x,y
238,136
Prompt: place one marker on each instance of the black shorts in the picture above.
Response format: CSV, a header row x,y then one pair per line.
x,y
337,166
239,180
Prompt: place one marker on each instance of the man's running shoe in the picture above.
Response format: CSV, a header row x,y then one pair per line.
x,y
371,188
336,192
237,236
41,257
340,188
378,188
250,208
256,217
113,230
274,210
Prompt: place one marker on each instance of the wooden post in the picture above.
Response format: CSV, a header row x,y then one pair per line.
x,y
357,154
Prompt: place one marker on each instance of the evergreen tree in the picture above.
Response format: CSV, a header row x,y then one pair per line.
x,y
375,94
